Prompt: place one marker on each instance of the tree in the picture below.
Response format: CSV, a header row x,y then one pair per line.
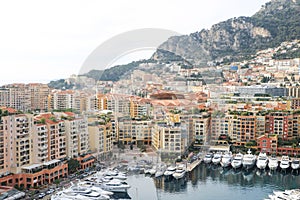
x,y
73,165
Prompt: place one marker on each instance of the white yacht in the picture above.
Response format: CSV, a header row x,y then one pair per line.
x,y
217,158
295,164
237,161
115,174
115,186
284,162
262,160
208,158
93,187
83,193
226,160
249,160
179,172
160,171
153,170
170,171
67,195
285,195
273,163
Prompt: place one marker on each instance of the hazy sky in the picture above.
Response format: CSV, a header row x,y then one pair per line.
x,y
46,40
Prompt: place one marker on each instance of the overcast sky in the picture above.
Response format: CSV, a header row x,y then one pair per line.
x,y
45,40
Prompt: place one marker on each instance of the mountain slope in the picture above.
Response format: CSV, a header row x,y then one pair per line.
x,y
237,38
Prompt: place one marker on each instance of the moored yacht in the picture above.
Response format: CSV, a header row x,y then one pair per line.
x,y
285,162
208,158
86,192
217,158
273,163
170,171
237,161
116,186
226,160
180,172
249,160
153,170
160,171
67,195
115,174
262,160
295,164
285,195
93,187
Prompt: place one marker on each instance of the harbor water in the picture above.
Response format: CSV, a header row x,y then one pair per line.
x,y
209,182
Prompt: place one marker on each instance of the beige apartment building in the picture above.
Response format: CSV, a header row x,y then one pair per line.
x,y
117,103
137,132
40,139
25,97
220,125
38,96
17,130
167,139
100,138
77,137
61,100
4,168
202,129
16,96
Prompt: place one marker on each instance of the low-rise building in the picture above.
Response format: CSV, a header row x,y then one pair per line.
x,y
267,144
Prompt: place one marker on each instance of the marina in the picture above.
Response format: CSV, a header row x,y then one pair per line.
x,y
190,179
208,181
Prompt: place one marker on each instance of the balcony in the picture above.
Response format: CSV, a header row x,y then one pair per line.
x,y
43,148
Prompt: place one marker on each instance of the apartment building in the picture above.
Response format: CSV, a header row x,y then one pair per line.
x,y
16,96
139,107
4,97
17,129
220,125
56,133
25,97
38,96
118,103
243,128
77,137
260,123
40,139
281,124
4,166
134,131
168,139
61,100
33,148
295,103
201,130
100,138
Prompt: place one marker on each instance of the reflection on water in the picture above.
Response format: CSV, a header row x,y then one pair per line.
x,y
213,182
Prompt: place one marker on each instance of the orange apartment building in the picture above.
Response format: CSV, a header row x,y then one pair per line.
x,y
243,129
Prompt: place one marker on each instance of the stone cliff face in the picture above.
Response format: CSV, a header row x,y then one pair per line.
x,y
237,38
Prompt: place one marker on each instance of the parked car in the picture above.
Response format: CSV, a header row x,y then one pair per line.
x,y
42,195
50,191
